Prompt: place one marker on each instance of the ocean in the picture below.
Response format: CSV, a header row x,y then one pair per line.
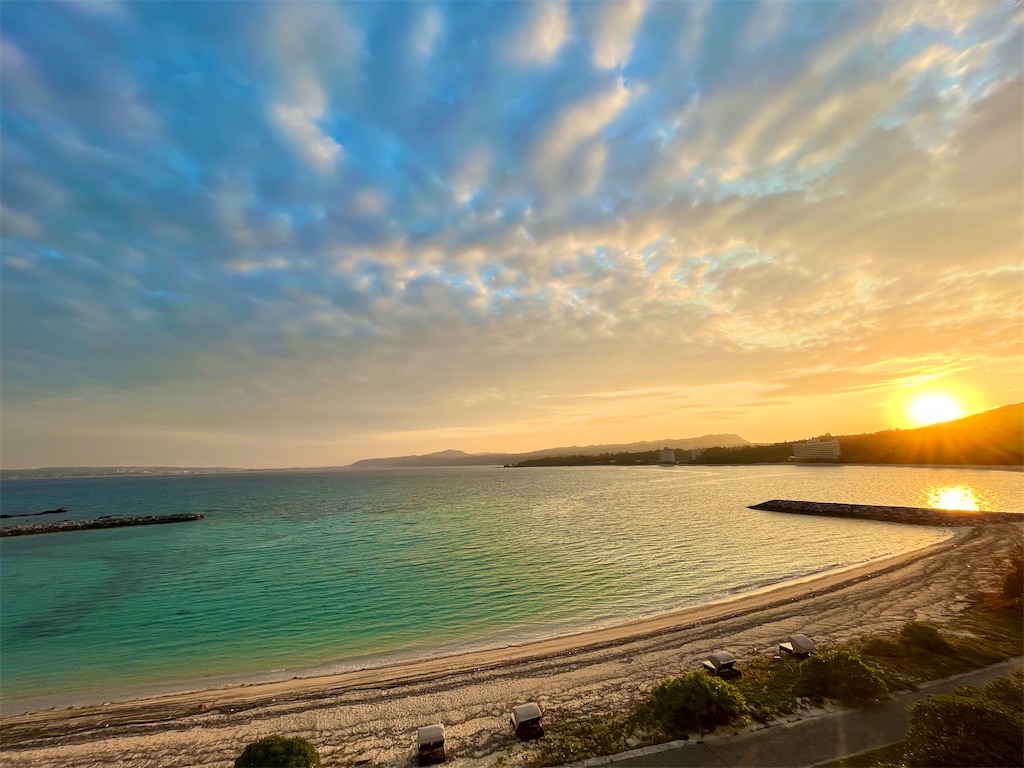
x,y
307,572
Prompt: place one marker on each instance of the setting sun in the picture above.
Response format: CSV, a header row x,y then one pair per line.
x,y
932,408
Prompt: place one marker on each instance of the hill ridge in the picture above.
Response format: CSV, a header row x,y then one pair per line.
x,y
471,459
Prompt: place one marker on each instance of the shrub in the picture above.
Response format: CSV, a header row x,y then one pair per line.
x,y
924,637
767,686
881,646
279,752
692,702
570,741
970,726
840,675
1013,580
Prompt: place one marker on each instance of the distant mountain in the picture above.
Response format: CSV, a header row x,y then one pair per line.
x,y
452,458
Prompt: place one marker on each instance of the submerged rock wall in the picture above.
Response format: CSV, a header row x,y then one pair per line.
x,y
100,522
907,515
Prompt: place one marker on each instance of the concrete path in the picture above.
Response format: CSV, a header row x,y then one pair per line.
x,y
807,742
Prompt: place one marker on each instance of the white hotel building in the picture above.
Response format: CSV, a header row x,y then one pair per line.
x,y
816,450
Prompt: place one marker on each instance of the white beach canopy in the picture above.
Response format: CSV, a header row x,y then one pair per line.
x,y
718,661
524,713
801,645
430,734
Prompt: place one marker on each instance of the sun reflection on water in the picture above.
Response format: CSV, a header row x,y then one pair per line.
x,y
953,497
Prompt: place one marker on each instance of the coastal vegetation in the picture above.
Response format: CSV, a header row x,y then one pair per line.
x,y
840,675
675,708
969,726
853,674
692,703
279,752
982,726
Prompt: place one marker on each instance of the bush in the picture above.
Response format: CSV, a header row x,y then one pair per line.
x,y
570,741
694,702
1013,580
840,675
970,726
279,752
924,637
881,646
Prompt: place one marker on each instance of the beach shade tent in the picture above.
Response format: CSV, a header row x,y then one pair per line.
x,y
526,721
430,744
721,664
799,645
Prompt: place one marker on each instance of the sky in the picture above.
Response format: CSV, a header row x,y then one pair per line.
x,y
269,235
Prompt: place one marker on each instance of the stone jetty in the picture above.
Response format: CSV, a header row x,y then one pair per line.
x,y
907,515
100,522
60,511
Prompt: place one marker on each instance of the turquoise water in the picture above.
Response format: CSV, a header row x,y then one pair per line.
x,y
295,572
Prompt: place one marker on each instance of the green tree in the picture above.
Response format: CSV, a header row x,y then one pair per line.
x,y
840,675
694,702
924,637
968,727
279,752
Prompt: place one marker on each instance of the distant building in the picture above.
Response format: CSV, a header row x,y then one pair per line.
x,y
695,453
667,456
816,450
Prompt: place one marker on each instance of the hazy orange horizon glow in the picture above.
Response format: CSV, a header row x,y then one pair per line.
x,y
933,408
302,234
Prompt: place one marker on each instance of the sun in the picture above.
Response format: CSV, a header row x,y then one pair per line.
x,y
932,408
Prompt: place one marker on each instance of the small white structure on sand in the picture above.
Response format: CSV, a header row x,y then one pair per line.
x,y
430,744
798,645
721,664
526,721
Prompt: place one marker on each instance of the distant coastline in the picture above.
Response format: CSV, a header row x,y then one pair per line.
x,y
990,440
16,476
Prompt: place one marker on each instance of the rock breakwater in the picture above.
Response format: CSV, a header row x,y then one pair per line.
x,y
100,522
906,515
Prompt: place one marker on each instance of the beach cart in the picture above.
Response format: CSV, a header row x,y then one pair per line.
x,y
526,721
800,646
721,664
430,744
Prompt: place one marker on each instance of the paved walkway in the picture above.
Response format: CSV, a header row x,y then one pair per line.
x,y
807,742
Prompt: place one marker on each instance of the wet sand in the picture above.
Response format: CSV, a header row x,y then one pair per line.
x,y
369,716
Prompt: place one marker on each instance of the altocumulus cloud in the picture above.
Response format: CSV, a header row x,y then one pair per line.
x,y
272,234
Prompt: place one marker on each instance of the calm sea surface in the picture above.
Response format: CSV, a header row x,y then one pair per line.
x,y
298,572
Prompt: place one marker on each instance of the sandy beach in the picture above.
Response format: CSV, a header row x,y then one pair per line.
x,y
369,717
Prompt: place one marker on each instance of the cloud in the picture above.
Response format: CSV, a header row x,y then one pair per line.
x,y
112,8
614,33
369,202
299,124
765,23
428,32
310,46
575,125
17,224
471,174
693,31
543,34
693,224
